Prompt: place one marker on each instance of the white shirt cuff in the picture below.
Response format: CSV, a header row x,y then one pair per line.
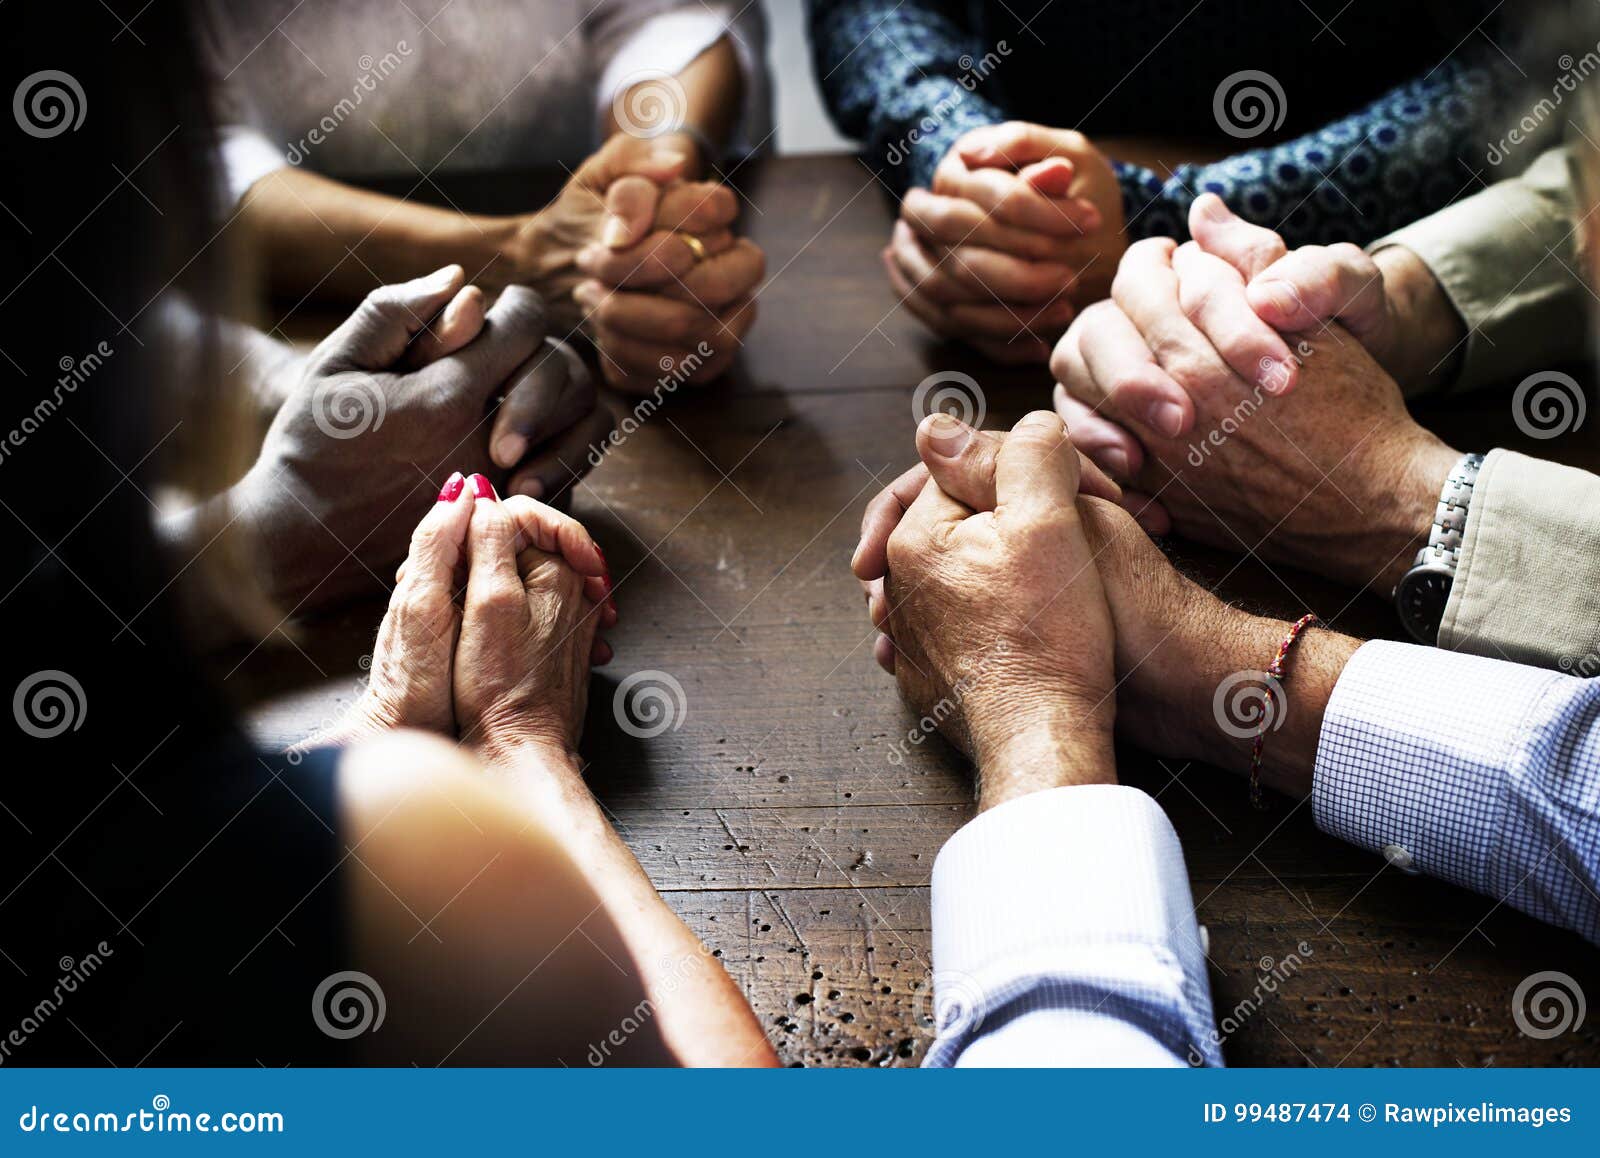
x,y
1064,933
247,156
668,44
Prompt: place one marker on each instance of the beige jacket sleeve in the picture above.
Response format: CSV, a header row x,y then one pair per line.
x,y
1508,259
1527,584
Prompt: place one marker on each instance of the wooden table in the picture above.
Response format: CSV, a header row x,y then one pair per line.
x,y
772,813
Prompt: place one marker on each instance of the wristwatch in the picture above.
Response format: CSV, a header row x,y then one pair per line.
x,y
1423,591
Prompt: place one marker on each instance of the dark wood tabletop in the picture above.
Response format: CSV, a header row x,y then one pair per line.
x,y
776,814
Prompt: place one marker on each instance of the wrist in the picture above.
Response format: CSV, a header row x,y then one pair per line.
x,y
1227,709
1413,500
1070,746
1424,346
508,747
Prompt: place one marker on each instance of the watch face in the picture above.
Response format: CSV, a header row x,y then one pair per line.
x,y
1421,599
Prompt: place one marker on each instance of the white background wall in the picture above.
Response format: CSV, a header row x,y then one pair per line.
x,y
803,125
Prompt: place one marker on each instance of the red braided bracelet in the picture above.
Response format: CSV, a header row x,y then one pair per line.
x,y
1276,670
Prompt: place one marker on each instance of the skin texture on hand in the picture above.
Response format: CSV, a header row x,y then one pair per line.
x,y
413,681
1323,469
1175,642
402,389
1000,626
610,251
1022,226
528,630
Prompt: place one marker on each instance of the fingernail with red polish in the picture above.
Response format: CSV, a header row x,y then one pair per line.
x,y
482,488
452,488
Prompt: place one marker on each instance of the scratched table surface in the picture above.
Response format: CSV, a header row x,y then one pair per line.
x,y
776,814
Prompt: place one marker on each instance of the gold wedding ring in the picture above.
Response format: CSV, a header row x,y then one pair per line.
x,y
696,246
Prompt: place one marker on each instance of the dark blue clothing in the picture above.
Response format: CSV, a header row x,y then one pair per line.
x,y
1373,111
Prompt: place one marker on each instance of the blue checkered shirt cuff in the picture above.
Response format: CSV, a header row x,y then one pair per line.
x,y
1481,772
1064,934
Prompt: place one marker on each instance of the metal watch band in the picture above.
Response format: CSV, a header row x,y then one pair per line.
x,y
1450,517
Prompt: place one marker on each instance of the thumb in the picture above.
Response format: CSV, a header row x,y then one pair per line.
x,y
494,585
1222,233
1010,145
960,459
1036,471
631,204
384,324
661,160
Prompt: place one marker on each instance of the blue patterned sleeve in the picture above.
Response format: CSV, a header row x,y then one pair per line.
x,y
1356,179
904,79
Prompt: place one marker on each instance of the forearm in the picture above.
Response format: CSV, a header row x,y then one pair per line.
x,y
1429,331
320,237
1285,187
1206,692
713,87
905,80
704,1018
